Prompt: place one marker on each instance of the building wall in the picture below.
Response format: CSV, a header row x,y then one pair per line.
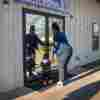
x,y
5,79
89,8
11,67
85,12
11,64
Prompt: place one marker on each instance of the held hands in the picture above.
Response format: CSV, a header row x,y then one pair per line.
x,y
54,59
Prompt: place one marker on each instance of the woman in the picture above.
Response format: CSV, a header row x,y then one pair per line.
x,y
63,51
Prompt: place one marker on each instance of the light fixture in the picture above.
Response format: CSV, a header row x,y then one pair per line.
x,y
43,39
5,3
71,16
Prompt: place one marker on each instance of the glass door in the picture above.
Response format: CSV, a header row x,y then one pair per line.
x,y
44,72
39,22
32,62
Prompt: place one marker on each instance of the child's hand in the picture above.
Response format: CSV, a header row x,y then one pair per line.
x,y
52,59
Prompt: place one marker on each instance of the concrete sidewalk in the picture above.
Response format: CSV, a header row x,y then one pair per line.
x,y
23,91
15,93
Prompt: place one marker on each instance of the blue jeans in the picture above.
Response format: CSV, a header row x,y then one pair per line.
x,y
64,55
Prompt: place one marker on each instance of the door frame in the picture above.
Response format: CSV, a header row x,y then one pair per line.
x,y
46,15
